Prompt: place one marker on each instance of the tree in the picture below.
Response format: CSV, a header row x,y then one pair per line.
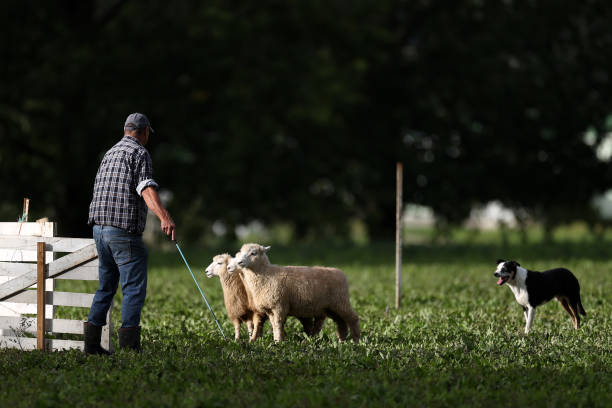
x,y
297,111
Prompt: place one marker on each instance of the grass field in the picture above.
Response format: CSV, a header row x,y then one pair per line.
x,y
456,341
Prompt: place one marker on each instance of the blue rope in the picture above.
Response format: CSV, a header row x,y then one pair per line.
x,y
202,293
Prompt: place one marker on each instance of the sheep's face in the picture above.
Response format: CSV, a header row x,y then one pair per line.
x,y
252,255
232,265
219,262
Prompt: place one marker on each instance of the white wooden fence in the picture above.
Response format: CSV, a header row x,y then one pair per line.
x,y
22,266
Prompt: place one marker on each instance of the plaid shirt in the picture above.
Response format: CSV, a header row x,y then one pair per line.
x,y
125,171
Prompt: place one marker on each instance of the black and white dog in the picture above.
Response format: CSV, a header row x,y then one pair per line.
x,y
532,289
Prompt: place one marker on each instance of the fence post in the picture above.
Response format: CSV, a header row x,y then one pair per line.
x,y
40,296
398,235
26,210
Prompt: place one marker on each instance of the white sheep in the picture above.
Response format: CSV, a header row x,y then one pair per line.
x,y
305,292
238,303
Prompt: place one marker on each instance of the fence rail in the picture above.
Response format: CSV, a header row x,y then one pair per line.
x,y
86,271
19,276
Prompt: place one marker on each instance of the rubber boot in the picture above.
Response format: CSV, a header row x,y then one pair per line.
x,y
129,337
93,334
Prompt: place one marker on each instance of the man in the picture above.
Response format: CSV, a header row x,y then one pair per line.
x,y
123,189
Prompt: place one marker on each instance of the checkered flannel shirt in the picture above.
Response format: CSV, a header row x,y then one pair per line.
x,y
125,171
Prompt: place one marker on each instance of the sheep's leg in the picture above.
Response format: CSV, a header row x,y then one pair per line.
x,y
278,321
353,322
249,325
341,329
236,329
318,324
341,326
258,321
307,325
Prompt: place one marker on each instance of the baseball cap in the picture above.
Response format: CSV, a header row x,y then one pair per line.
x,y
137,121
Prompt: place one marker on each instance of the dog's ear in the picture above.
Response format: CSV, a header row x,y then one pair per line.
x,y
515,264
500,261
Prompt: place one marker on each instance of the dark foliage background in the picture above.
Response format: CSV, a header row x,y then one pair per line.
x,y
292,111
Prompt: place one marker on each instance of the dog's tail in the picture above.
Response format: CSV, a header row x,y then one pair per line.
x,y
580,308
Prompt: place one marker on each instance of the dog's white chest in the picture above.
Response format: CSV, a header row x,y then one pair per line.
x,y
520,294
519,288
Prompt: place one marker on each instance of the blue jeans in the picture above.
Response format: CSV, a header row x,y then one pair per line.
x,y
122,256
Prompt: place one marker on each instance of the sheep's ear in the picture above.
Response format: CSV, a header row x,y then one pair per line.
x,y
266,249
500,261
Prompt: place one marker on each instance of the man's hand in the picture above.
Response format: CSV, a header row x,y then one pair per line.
x,y
154,203
168,227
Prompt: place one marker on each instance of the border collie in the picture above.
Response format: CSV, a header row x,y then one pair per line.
x,y
532,289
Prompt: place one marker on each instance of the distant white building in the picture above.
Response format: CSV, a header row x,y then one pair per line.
x,y
603,150
491,216
603,204
416,216
488,216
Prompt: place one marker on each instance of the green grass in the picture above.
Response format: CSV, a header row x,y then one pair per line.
x,y
456,341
